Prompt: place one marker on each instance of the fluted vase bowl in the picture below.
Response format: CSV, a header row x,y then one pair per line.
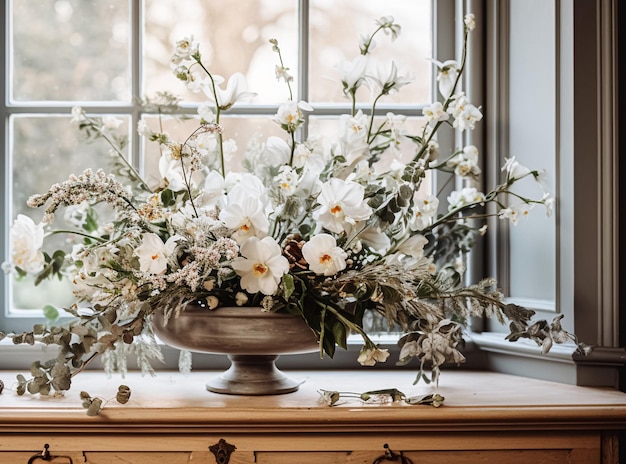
x,y
252,340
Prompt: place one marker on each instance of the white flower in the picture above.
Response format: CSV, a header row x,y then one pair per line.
x,y
206,113
386,81
447,73
236,91
154,254
353,145
275,152
413,246
470,21
548,202
143,129
171,172
286,180
514,170
290,116
465,114
425,208
282,73
246,215
352,73
516,212
26,242
341,205
111,123
464,197
78,115
185,48
261,265
374,238
370,356
323,255
465,163
435,113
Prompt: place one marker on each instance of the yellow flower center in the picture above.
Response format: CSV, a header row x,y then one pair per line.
x,y
335,209
325,259
259,269
154,257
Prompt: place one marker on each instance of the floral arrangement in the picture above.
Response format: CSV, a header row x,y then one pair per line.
x,y
329,231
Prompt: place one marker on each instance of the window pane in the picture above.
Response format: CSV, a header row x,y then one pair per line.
x,y
70,50
232,38
56,148
335,31
242,137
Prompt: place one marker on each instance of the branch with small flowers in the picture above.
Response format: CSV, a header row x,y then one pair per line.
x,y
329,230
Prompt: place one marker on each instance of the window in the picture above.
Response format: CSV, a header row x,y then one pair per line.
x,y
106,55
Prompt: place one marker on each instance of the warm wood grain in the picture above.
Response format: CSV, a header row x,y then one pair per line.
x,y
487,418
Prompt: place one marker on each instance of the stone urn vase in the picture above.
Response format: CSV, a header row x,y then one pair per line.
x,y
252,340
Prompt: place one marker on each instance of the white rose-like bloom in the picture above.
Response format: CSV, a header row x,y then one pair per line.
x,y
341,205
289,114
323,255
153,253
185,48
26,242
261,265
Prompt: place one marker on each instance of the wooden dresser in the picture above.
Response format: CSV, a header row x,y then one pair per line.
x,y
487,418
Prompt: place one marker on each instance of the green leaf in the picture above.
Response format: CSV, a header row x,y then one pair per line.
x,y
340,334
167,197
50,313
288,285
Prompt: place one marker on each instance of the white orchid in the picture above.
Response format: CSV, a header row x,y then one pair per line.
x,y
245,215
352,73
153,254
465,196
341,205
516,212
447,74
323,255
465,163
235,91
514,170
465,114
387,80
261,265
435,113
424,209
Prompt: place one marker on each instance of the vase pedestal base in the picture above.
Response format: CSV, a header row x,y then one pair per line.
x,y
253,375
